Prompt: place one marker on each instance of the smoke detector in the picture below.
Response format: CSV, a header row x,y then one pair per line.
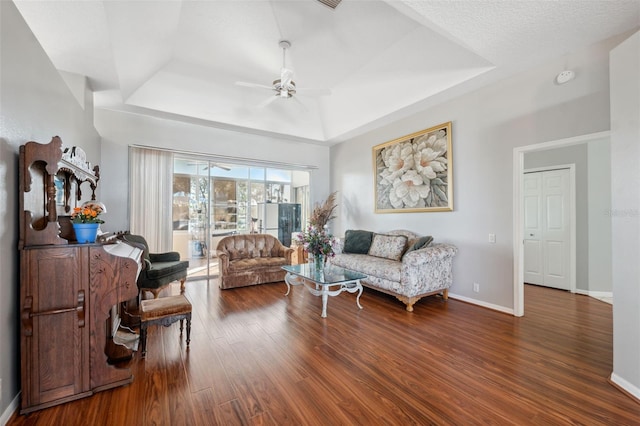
x,y
565,76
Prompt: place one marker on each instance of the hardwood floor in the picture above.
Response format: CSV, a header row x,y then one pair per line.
x,y
258,357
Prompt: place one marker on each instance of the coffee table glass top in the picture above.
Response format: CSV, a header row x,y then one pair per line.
x,y
329,274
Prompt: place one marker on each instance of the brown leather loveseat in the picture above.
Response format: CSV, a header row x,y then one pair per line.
x,y
250,259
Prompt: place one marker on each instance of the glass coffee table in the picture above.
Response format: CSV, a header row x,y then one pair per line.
x,y
327,281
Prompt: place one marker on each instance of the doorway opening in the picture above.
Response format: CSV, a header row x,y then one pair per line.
x,y
518,207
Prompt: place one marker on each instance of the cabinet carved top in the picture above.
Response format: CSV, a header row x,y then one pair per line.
x,y
49,177
80,174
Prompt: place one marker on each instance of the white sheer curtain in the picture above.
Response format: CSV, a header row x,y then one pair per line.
x,y
151,182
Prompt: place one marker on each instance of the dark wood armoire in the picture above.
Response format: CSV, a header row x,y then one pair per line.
x,y
69,292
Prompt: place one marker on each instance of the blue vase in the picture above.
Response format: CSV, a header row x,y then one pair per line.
x,y
86,232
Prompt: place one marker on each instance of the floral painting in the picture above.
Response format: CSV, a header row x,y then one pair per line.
x,y
414,173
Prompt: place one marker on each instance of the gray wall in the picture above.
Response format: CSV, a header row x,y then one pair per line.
x,y
625,212
599,178
486,127
593,242
36,104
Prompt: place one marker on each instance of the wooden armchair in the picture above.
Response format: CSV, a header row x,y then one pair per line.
x,y
161,269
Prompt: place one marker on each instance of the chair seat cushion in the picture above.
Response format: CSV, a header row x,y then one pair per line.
x,y
163,269
164,307
256,263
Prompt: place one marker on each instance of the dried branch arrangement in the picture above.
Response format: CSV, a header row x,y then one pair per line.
x,y
322,214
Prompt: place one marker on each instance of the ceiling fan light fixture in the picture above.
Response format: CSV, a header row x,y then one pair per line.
x,y
285,91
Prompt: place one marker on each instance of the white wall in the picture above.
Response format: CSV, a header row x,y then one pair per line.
x,y
486,126
625,209
36,104
119,130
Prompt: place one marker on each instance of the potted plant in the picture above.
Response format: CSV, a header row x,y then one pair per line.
x,y
86,220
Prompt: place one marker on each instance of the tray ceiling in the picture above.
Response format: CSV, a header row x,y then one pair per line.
x,y
379,59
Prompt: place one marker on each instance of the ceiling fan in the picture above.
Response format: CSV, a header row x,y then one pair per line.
x,y
285,87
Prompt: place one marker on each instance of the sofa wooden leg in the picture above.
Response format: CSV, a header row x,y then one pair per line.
x,y
182,285
409,301
445,294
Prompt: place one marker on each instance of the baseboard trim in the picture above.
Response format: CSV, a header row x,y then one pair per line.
x,y
625,387
481,303
10,410
595,294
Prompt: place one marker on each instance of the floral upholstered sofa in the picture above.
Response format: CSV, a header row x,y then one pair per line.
x,y
400,263
250,259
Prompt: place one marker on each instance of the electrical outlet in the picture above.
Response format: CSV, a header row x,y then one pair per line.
x,y
476,287
492,238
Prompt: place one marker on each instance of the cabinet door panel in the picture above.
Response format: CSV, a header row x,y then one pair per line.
x,y
56,352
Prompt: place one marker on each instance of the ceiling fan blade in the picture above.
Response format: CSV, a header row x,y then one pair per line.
x,y
267,101
220,166
303,106
313,92
253,85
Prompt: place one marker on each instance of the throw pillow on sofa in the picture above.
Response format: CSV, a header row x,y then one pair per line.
x,y
356,241
388,246
418,243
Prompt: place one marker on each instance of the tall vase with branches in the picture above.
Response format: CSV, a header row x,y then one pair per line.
x,y
323,213
316,238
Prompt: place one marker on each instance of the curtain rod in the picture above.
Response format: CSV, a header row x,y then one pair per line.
x,y
226,158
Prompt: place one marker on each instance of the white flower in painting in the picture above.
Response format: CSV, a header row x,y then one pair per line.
x,y
408,190
430,156
397,160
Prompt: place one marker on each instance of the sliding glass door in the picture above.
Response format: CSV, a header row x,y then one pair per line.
x,y
214,199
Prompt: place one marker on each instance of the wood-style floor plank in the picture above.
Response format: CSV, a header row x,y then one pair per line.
x,y
258,357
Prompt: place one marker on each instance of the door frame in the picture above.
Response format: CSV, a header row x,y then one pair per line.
x,y
572,217
518,229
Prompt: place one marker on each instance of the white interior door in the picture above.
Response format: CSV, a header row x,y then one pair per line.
x,y
547,227
533,255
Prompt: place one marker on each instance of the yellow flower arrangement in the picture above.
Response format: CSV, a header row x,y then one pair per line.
x,y
88,213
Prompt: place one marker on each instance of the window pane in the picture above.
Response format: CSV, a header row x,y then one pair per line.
x,y
277,175
213,199
257,173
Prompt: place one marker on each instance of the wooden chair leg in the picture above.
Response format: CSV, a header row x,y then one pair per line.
x,y
143,339
188,329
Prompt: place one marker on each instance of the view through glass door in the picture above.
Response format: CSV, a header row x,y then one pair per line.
x,y
213,199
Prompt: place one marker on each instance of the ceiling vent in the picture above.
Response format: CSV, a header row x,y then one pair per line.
x,y
331,3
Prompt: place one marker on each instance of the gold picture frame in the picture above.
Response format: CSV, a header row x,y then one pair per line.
x,y
414,173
